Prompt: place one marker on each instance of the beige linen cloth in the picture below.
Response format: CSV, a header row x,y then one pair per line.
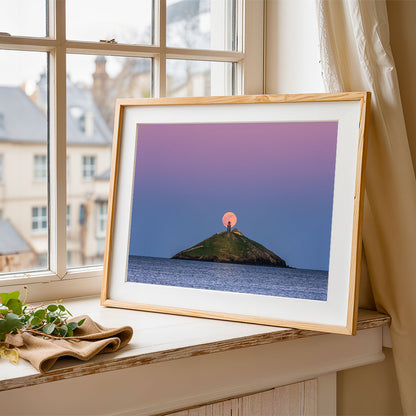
x,y
91,339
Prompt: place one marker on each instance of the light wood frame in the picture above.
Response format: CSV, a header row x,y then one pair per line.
x,y
350,109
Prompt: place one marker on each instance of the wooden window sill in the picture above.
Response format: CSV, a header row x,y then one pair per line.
x,y
159,338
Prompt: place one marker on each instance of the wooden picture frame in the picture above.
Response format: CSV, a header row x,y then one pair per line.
x,y
309,150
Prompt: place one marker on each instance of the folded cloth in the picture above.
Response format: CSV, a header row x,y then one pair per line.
x,y
91,339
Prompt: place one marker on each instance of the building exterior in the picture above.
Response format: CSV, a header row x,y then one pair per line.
x,y
15,252
24,178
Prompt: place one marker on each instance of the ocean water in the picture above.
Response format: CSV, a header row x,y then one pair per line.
x,y
260,280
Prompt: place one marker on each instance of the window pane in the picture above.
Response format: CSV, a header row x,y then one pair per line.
x,y
198,78
125,21
93,84
201,24
23,17
23,161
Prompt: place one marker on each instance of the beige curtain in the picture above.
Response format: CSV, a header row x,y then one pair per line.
x,y
356,56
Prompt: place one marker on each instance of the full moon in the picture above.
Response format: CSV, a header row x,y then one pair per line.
x,y
231,217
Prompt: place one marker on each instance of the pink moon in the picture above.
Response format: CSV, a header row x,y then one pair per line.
x,y
231,217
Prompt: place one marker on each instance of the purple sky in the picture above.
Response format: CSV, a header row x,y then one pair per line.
x,y
277,178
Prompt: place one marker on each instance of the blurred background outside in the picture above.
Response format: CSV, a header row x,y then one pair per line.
x,y
93,84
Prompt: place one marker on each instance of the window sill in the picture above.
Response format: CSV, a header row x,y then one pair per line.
x,y
162,338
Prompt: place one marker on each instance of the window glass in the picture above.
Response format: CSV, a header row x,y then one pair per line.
x,y
93,84
23,17
123,21
23,144
201,24
198,78
39,168
39,219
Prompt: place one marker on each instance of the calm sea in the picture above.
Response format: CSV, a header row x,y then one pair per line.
x,y
260,280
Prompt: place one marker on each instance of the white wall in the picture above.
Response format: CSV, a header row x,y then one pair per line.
x,y
292,47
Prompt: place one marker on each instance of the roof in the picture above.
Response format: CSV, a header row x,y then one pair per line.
x,y
23,121
105,176
11,242
186,9
82,100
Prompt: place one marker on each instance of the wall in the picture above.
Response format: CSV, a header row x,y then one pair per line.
x,y
292,47
292,66
369,390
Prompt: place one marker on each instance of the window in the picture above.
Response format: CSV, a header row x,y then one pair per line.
x,y
101,219
39,219
88,167
39,168
23,146
147,48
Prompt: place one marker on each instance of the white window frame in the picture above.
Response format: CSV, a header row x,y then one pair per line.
x,y
40,168
89,167
40,218
249,79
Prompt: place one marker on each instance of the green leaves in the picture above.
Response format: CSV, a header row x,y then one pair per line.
x,y
52,308
10,314
35,322
63,331
49,329
15,305
40,313
9,324
5,297
74,325
49,320
10,302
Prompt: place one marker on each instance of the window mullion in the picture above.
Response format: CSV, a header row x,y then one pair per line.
x,y
159,63
57,146
250,77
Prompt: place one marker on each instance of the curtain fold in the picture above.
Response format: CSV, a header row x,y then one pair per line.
x,y
356,56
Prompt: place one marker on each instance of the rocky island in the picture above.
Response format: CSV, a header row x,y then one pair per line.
x,y
231,247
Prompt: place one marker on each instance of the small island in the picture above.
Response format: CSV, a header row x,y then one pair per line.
x,y
231,246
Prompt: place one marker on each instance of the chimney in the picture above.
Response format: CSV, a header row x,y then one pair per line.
x,y
89,124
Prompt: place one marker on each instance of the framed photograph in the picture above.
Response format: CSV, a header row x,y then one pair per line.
x,y
244,208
